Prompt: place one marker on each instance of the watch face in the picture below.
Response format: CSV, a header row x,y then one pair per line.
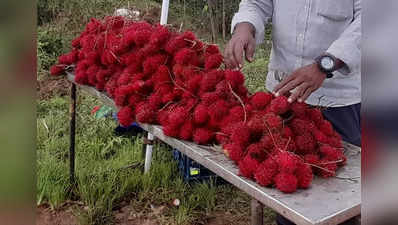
x,y
327,63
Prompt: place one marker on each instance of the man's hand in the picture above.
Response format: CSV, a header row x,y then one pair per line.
x,y
306,80
242,41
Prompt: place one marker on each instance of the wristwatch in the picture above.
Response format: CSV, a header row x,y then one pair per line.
x,y
327,63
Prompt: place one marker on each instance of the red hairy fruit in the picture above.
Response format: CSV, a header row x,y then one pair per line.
x,y
304,175
178,116
68,58
286,182
159,36
332,154
221,138
279,105
287,161
305,143
257,151
201,115
234,78
312,159
218,110
287,132
299,109
299,126
234,151
326,128
211,50
145,114
248,166
328,168
257,125
142,36
186,131
273,121
155,101
260,100
203,136
319,136
315,115
184,56
210,80
266,172
335,142
125,116
57,70
162,75
151,64
213,61
241,134
171,131
209,98
236,114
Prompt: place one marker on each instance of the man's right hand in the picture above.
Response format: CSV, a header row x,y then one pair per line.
x,y
242,41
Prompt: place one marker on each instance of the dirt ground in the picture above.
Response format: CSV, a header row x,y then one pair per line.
x,y
48,88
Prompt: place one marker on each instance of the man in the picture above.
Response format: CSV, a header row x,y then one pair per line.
x,y
316,55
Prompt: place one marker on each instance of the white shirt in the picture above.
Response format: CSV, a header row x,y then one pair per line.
x,y
304,29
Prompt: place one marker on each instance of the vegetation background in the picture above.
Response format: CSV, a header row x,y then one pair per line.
x,y
108,192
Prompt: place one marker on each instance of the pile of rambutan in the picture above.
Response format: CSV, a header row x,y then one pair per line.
x,y
159,76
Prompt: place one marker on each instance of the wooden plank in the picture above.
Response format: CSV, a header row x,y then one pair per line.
x,y
328,201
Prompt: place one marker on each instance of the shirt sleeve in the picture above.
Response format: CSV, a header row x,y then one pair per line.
x,y
255,12
348,46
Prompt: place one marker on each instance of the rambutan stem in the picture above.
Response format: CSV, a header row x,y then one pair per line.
x,y
240,101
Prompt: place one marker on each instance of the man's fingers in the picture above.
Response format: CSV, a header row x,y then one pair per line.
x,y
238,53
299,91
283,83
250,48
306,94
229,58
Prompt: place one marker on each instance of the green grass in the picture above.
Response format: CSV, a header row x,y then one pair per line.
x,y
102,183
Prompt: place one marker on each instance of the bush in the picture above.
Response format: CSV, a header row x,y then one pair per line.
x,y
49,47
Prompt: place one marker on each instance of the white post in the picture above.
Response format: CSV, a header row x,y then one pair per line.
x,y
165,12
149,146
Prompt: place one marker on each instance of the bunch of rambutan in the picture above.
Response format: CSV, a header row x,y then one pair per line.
x,y
158,76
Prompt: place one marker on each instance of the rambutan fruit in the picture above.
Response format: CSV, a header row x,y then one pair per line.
x,y
211,50
326,128
155,101
240,134
125,116
236,114
299,109
335,142
159,36
162,74
266,172
145,114
203,136
186,130
260,100
184,56
312,159
151,64
171,131
274,122
218,110
287,132
299,126
328,168
304,175
248,166
210,80
319,136
234,151
142,37
221,138
305,143
332,154
134,100
178,116
286,182
213,61
209,98
57,70
201,115
279,105
315,115
257,151
235,78
287,161
193,83
257,125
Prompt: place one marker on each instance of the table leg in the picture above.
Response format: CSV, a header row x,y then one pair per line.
x,y
256,212
148,153
72,133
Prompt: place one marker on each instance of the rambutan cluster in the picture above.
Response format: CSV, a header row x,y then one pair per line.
x,y
158,76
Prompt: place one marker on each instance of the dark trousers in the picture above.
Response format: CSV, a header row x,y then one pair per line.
x,y
347,122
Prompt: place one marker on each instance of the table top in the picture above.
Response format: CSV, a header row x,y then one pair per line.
x,y
327,201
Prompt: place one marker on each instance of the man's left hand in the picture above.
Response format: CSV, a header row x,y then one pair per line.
x,y
305,80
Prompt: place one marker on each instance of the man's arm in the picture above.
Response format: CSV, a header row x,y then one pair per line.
x,y
347,49
248,27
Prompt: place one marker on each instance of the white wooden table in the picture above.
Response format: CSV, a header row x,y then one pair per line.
x,y
328,201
